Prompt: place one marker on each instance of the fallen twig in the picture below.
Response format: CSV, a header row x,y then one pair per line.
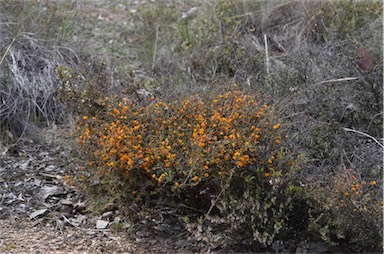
x,y
364,134
336,80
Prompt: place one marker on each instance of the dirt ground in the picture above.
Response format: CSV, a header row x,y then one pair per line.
x,y
40,213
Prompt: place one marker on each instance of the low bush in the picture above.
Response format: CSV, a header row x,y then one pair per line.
x,y
221,155
346,210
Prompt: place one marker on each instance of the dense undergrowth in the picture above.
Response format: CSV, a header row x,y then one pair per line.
x,y
293,151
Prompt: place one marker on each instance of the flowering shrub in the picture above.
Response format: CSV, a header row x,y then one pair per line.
x,y
226,148
349,210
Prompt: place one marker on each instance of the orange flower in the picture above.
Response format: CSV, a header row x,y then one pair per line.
x,y
374,183
275,127
267,174
85,117
195,178
161,178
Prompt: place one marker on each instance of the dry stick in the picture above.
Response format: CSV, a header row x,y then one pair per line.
x,y
267,64
266,53
364,134
9,48
155,49
336,80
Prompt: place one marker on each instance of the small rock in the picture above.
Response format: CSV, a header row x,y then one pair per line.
x,y
47,191
38,213
50,168
37,182
107,215
102,224
66,202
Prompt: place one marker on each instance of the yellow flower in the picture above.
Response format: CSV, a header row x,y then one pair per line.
x,y
85,117
177,184
275,127
374,183
161,178
116,111
206,174
195,178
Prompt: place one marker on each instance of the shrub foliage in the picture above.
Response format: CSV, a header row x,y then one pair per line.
x,y
347,197
225,148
